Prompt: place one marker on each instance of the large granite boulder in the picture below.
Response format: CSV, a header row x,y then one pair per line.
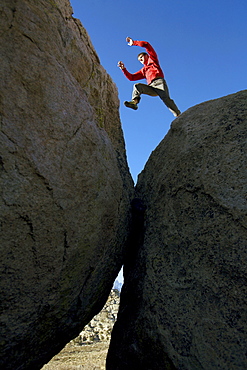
x,y
65,183
184,299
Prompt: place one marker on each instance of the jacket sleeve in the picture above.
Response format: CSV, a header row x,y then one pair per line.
x,y
149,49
133,76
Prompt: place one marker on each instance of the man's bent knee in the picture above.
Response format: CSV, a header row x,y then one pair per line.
x,y
138,87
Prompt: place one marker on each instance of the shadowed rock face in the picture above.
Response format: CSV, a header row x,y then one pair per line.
x,y
65,183
183,303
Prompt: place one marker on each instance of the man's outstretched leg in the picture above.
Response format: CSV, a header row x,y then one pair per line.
x,y
172,106
160,86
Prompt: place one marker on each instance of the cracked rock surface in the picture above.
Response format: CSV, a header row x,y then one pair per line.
x,y
65,182
183,303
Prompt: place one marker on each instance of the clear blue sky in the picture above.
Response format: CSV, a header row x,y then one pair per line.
x,y
202,49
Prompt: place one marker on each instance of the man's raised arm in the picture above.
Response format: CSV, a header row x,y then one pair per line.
x,y
144,44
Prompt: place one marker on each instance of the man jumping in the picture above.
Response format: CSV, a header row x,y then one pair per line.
x,y
151,70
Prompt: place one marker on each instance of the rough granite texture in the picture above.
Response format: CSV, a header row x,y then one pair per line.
x,y
184,299
65,183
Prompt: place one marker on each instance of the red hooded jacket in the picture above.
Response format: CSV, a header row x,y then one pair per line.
x,y
151,70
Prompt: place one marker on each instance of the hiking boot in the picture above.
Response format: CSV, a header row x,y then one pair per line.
x,y
131,104
177,114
